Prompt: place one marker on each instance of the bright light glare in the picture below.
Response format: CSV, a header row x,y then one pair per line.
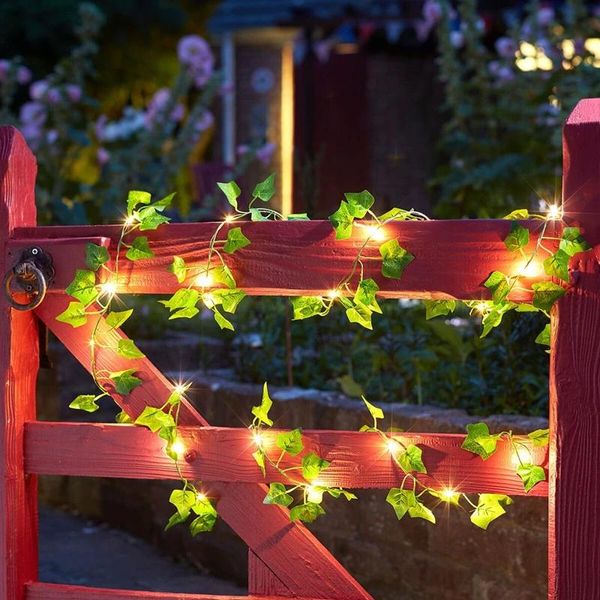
x,y
393,447
181,388
204,280
376,233
109,288
530,269
201,497
229,218
555,212
448,494
481,307
258,438
314,494
178,447
333,294
520,454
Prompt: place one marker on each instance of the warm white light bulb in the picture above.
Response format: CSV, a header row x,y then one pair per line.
x,y
229,218
130,220
555,212
314,493
258,439
531,268
376,233
201,497
448,494
181,388
520,455
333,294
204,280
109,288
393,447
178,447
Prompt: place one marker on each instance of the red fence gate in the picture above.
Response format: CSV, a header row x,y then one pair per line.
x,y
285,559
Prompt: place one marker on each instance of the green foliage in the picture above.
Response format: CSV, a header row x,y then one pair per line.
x,y
125,381
95,256
517,239
235,240
406,501
307,512
74,315
231,191
265,189
395,259
261,412
489,508
86,402
139,249
83,286
530,475
117,318
178,268
312,465
290,442
479,441
411,460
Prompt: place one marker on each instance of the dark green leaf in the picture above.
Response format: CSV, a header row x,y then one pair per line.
x,y
546,293
395,259
342,221
297,217
95,256
306,306
235,240
557,265
437,308
231,191
499,285
265,189
517,238
307,512
124,381
140,249
359,203
83,286
572,241
278,495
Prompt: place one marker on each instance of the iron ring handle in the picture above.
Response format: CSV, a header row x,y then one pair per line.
x,y
38,294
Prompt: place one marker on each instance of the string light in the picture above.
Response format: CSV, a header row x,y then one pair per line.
x,y
333,294
375,232
481,307
109,288
530,268
393,446
555,212
520,454
448,494
201,497
314,493
130,220
229,218
181,388
258,438
178,447
204,280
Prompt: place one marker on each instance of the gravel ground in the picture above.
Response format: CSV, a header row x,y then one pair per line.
x,y
76,551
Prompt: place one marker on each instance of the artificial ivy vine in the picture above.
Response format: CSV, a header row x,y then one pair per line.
x,y
94,300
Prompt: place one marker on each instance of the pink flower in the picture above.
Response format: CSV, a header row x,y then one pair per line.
x,y
545,16
33,114
38,89
159,101
193,51
506,47
432,11
4,68
23,75
265,154
102,156
73,92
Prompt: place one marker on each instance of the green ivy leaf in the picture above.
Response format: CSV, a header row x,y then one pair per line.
x,y
164,202
543,337
374,411
557,265
175,519
411,460
124,381
206,517
256,215
183,501
178,268
493,317
366,295
530,475
116,318
395,259
95,256
540,437
155,419
265,189
261,412
291,442
222,321
546,293
572,241
517,238
394,214
480,441
339,492
224,275
127,349
86,402
182,304
74,315
228,299
235,240
499,285
312,465
305,307
360,314
307,512
259,457
278,495
150,218
359,203
123,418
231,191
342,221
83,286
297,217
406,501
135,198
520,214
489,508
140,249
438,308
446,496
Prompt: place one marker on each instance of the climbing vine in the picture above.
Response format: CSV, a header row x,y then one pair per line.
x,y
213,286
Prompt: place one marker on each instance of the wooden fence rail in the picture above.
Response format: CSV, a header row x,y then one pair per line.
x,y
292,258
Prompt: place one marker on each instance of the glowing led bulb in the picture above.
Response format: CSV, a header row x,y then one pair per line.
x,y
314,494
555,212
201,497
521,455
229,218
481,307
393,447
204,280
178,447
448,494
92,343
130,220
181,388
531,268
258,439
333,294
376,233
109,288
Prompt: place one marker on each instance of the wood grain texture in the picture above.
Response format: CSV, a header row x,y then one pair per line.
x,y
262,581
358,460
18,371
289,550
53,591
303,258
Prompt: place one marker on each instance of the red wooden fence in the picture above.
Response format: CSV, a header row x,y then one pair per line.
x,y
285,559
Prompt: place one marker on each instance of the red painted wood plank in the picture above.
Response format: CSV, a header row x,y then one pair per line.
x,y
574,495
289,550
262,581
358,460
302,257
53,591
18,371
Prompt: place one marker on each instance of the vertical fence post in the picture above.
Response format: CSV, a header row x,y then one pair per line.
x,y
574,494
18,369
